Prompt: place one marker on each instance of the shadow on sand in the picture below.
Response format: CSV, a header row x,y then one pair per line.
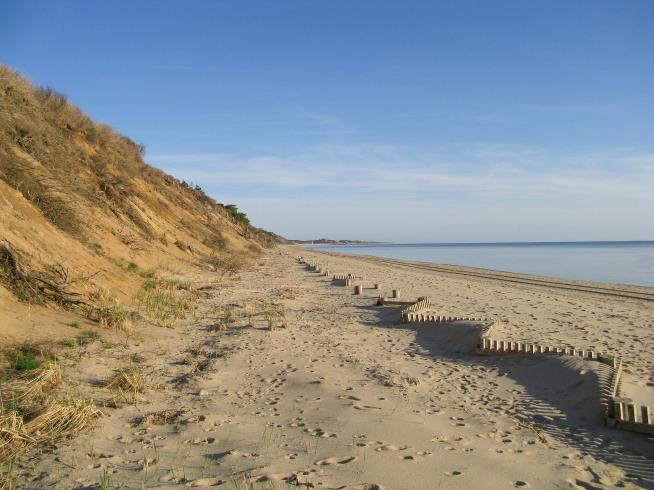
x,y
563,396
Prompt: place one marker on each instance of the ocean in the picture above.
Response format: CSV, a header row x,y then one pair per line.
x,y
613,262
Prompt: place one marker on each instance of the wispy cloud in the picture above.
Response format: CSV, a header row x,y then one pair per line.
x,y
385,192
501,172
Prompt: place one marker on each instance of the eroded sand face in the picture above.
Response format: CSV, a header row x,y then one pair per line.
x,y
347,397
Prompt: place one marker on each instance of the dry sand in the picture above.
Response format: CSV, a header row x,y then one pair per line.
x,y
347,397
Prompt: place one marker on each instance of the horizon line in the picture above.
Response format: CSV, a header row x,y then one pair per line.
x,y
375,242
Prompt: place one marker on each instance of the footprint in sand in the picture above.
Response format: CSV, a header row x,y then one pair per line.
x,y
391,447
350,397
200,440
238,454
335,460
318,432
272,477
206,482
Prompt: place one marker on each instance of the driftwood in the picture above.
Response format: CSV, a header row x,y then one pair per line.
x,y
41,287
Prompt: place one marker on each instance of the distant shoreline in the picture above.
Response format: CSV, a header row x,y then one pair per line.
x,y
471,244
326,241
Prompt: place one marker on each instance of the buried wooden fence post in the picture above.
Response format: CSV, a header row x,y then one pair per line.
x,y
396,293
645,415
631,412
376,286
357,289
618,414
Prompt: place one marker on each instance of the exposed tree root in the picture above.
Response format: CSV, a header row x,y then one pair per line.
x,y
36,287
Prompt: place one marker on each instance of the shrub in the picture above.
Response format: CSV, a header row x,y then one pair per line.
x,y
27,357
236,215
26,361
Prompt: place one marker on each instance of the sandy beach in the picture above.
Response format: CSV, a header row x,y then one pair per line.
x,y
339,394
326,245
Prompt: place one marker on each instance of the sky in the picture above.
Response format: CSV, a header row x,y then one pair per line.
x,y
404,121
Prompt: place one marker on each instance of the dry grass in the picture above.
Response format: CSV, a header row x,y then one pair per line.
x,y
14,438
231,264
31,386
276,319
113,316
108,312
219,326
58,419
7,481
166,300
63,418
128,384
31,413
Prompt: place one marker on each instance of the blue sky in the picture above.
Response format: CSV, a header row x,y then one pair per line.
x,y
396,121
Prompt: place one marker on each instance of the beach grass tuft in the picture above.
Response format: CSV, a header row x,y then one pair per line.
x,y
127,384
166,300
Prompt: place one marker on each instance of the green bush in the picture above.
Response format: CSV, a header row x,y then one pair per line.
x,y
26,361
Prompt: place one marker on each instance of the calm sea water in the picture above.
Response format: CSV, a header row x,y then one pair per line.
x,y
614,262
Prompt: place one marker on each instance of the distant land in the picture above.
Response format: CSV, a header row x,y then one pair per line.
x,y
326,241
